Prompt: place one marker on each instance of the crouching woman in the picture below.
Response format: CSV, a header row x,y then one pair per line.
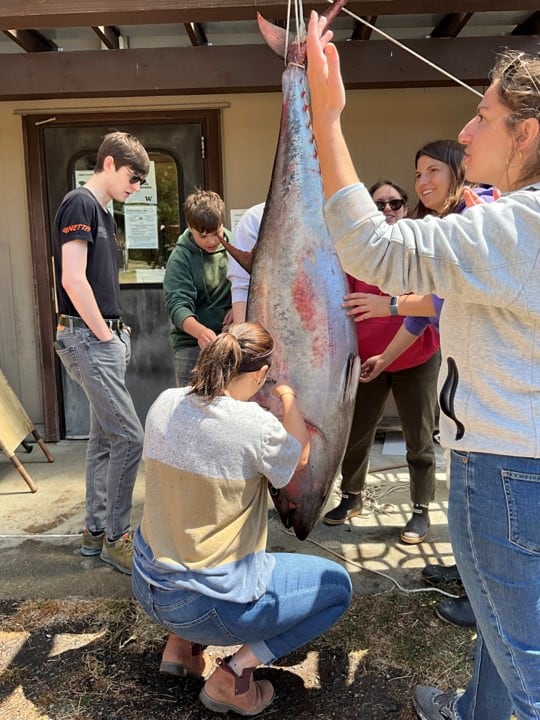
x,y
200,563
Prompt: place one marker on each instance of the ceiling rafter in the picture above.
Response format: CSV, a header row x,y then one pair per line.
x,y
31,40
85,13
530,26
451,25
109,36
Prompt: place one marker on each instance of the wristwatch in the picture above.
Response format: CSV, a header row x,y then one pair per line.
x,y
393,306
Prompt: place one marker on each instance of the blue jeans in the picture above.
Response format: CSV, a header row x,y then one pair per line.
x,y
116,435
306,596
184,362
494,520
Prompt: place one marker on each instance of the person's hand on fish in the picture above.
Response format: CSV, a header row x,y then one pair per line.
x,y
323,71
361,306
372,368
282,388
228,319
206,337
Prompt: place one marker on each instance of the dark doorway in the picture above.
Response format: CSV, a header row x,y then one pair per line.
x,y
185,153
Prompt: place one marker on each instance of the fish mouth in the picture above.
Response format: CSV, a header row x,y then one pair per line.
x,y
285,507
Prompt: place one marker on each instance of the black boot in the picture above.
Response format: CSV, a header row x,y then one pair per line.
x,y
416,530
350,505
456,611
440,574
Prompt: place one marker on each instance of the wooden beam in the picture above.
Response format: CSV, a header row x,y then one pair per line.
x,y
248,68
109,36
84,13
31,40
530,26
451,25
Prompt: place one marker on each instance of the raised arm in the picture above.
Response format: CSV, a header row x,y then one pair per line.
x,y
327,103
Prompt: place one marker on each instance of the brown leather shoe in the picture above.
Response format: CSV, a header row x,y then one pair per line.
x,y
225,690
181,658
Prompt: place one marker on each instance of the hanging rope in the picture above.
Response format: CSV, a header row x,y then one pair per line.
x,y
436,67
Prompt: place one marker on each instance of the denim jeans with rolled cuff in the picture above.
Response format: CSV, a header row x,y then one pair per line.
x,y
306,595
494,521
116,434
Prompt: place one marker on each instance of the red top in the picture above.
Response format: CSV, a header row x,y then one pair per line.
x,y
374,335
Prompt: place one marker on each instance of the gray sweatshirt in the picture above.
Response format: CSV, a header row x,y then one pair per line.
x,y
486,265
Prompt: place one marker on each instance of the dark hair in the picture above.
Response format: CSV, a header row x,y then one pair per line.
x,y
449,152
205,211
126,151
518,76
391,183
244,347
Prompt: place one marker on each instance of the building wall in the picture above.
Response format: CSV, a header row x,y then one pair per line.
x,y
384,129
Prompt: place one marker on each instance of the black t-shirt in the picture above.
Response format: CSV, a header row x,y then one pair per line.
x,y
81,217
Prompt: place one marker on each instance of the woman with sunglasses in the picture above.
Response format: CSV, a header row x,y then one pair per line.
x,y
200,563
485,263
412,379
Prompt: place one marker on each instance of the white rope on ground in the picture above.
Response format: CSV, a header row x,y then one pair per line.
x,y
423,59
360,566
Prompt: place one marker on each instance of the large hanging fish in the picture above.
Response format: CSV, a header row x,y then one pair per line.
x,y
296,290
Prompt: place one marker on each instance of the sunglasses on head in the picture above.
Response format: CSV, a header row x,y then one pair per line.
x,y
134,179
395,204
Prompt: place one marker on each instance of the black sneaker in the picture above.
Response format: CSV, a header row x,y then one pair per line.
x,y
440,574
416,530
350,505
432,704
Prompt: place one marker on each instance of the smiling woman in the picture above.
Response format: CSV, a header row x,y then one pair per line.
x,y
439,177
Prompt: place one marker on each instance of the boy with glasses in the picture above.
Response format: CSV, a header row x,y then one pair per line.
x,y
93,342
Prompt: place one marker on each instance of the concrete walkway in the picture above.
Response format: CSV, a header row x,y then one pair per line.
x,y
40,532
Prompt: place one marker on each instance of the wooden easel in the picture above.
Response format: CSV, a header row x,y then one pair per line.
x,y
15,426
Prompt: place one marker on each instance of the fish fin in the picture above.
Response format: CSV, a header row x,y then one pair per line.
x,y
275,36
352,377
333,11
243,257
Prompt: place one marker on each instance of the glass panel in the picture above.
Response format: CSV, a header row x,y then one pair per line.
x,y
149,223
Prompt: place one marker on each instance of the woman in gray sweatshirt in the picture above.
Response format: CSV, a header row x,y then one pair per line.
x,y
486,265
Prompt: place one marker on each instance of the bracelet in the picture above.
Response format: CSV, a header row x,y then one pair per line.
x,y
287,392
394,306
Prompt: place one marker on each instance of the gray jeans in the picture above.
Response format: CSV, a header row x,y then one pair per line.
x,y
116,434
184,362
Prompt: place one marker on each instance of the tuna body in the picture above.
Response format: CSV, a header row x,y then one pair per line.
x,y
296,290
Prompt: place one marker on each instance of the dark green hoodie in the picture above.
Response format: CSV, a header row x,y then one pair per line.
x,y
196,284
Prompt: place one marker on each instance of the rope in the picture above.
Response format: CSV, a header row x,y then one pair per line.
x,y
393,40
374,506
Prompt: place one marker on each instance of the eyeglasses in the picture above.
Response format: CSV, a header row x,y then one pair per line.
x,y
395,204
134,179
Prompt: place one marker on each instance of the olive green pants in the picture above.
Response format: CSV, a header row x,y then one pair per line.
x,y
415,395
